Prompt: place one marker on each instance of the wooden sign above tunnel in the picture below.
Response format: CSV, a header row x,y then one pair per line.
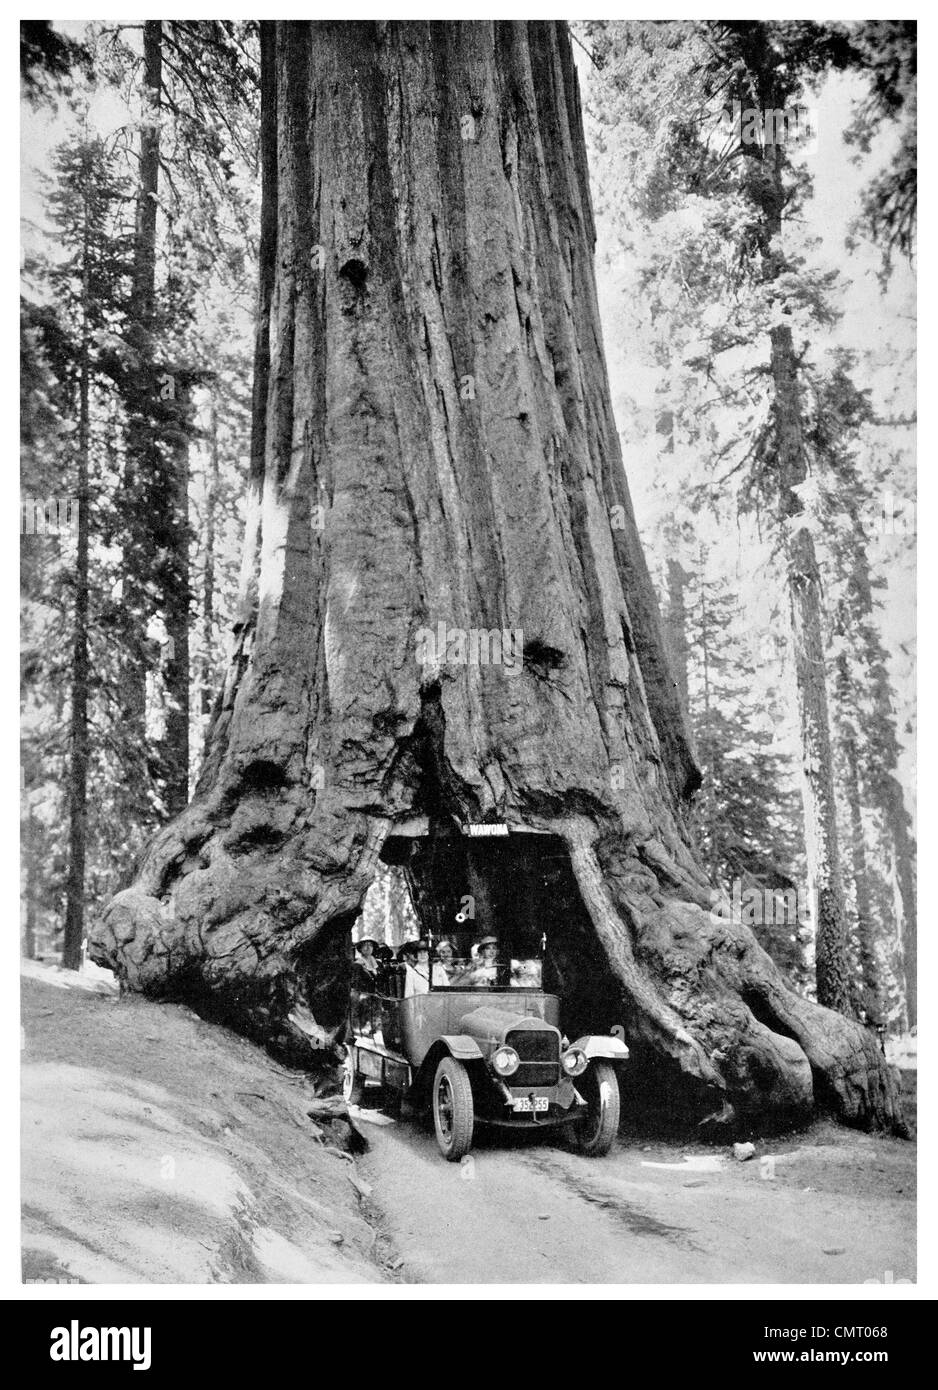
x,y
419,826
501,828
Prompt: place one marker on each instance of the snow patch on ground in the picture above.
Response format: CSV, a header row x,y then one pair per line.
x,y
903,1051
91,978
692,1163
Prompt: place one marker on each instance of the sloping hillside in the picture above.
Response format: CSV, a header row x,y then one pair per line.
x,y
160,1149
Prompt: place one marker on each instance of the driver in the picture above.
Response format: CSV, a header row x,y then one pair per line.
x,y
483,969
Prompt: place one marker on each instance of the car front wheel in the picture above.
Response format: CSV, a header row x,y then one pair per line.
x,y
595,1132
453,1109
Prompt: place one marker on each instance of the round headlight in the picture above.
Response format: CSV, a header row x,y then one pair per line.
x,y
575,1062
506,1061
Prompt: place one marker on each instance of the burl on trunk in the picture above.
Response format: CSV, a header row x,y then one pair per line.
x,y
435,457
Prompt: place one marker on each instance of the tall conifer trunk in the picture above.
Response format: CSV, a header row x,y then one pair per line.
x,y
78,719
143,389
803,576
176,600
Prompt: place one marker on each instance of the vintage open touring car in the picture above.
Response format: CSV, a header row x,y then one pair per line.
x,y
481,1045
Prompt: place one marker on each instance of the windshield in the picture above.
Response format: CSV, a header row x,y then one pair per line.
x,y
484,965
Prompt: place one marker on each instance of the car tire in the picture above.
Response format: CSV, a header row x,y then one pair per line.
x,y
595,1134
352,1086
453,1109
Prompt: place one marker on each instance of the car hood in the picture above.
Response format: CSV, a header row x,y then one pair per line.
x,y
493,1025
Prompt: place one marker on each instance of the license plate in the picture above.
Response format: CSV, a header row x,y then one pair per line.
x,y
523,1104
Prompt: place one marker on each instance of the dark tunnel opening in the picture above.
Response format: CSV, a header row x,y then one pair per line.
x,y
521,888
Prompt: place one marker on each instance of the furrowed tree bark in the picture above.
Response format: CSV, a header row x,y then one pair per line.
x,y
439,447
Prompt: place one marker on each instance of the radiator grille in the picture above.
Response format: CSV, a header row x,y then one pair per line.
x,y
540,1057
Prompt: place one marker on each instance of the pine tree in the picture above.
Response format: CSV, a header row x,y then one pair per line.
x,y
864,701
722,203
86,283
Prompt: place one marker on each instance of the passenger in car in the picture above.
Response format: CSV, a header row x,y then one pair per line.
x,y
416,957
526,974
366,966
365,984
386,970
482,971
443,965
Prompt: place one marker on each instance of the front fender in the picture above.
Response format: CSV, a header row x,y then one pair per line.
x,y
461,1046
458,1045
601,1045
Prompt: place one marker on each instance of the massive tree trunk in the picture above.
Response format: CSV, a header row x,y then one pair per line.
x,y
436,445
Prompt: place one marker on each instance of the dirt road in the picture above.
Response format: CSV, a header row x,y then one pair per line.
x,y
835,1207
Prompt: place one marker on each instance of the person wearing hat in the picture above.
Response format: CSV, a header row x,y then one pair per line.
x,y
367,963
444,963
365,983
487,962
483,970
416,958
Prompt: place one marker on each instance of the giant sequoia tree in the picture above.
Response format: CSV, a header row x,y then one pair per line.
x,y
434,444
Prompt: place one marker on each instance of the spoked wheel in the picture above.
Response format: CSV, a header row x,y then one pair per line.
x,y
453,1109
352,1086
595,1133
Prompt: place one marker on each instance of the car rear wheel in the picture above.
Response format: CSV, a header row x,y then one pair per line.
x,y
453,1109
595,1133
